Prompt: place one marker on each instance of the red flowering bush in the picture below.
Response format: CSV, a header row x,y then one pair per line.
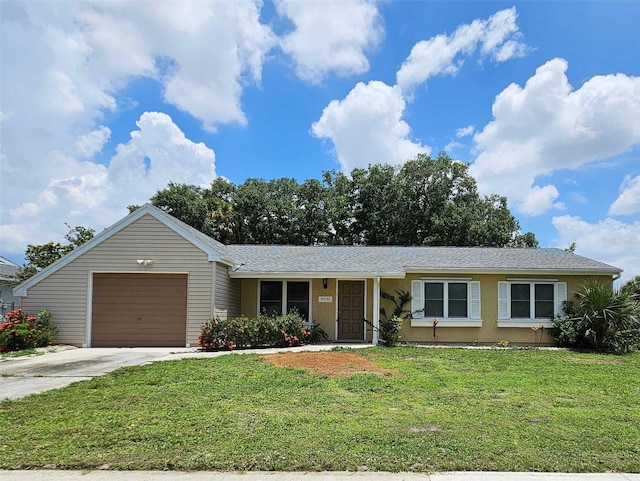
x,y
262,331
19,330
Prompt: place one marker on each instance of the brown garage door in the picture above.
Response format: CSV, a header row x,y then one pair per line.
x,y
138,310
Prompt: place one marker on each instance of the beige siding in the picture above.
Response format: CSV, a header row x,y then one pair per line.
x,y
227,294
65,292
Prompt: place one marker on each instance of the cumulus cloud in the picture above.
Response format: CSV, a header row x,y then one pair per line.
x,y
628,202
546,126
366,127
497,37
82,192
330,37
609,240
465,131
66,67
92,142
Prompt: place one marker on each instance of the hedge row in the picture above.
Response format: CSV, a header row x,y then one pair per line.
x,y
262,331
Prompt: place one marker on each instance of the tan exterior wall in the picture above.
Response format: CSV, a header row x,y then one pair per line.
x,y
249,299
489,333
65,292
325,312
227,296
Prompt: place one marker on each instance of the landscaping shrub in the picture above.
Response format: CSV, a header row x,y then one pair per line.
x,y
599,318
19,330
389,328
262,331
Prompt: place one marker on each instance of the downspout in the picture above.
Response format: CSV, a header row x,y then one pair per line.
x,y
376,309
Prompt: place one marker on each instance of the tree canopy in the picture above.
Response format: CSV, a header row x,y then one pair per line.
x,y
40,256
426,201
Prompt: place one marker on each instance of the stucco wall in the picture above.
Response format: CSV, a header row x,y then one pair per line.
x,y
489,333
325,313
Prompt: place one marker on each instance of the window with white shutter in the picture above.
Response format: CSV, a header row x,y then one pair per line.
x,y
451,302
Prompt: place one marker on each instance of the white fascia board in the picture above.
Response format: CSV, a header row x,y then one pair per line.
x,y
314,275
529,272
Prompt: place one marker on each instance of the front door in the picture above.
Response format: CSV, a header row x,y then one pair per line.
x,y
351,310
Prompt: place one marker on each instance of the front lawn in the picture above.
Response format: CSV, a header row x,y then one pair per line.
x,y
443,409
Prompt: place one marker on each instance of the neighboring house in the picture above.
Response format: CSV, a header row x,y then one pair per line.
x,y
151,280
7,271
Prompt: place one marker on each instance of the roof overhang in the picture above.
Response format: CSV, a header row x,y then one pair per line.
x,y
529,272
314,275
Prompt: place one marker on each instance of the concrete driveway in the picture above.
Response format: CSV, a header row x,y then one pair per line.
x,y
21,376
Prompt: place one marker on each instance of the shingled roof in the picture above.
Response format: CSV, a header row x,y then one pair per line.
x,y
392,261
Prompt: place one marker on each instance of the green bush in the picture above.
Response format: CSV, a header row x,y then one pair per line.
x,y
19,330
262,331
599,318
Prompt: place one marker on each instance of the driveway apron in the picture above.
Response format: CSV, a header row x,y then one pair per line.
x,y
22,376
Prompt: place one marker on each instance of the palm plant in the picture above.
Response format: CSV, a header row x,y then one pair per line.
x,y
633,287
600,317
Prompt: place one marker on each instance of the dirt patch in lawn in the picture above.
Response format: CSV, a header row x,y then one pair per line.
x,y
331,364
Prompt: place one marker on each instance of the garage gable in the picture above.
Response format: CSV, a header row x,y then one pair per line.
x,y
215,250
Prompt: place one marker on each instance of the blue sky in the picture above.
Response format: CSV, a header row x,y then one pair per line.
x,y
104,103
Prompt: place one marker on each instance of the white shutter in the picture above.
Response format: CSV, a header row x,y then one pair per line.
x,y
561,296
474,298
503,300
417,306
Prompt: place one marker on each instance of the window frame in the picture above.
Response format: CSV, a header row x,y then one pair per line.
x,y
285,300
419,318
505,316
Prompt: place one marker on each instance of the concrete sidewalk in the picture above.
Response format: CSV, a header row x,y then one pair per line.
x,y
37,475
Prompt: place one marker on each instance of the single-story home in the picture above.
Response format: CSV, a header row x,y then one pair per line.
x,y
152,280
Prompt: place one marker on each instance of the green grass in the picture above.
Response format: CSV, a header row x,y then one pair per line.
x,y
21,353
449,409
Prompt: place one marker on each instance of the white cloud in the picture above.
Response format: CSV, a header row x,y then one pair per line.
x,y
453,145
628,202
95,195
366,127
540,199
547,125
157,153
66,64
496,37
330,37
610,241
92,142
465,131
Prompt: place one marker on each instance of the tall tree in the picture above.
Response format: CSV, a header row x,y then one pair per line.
x,y
425,201
185,202
39,256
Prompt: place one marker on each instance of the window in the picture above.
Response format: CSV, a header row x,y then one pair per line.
x,y
445,299
277,297
524,303
453,302
271,297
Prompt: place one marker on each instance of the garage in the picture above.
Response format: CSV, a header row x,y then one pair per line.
x,y
139,310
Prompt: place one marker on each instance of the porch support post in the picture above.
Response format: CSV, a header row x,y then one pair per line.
x,y
376,309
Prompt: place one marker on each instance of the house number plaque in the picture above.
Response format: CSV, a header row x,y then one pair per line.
x,y
325,298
